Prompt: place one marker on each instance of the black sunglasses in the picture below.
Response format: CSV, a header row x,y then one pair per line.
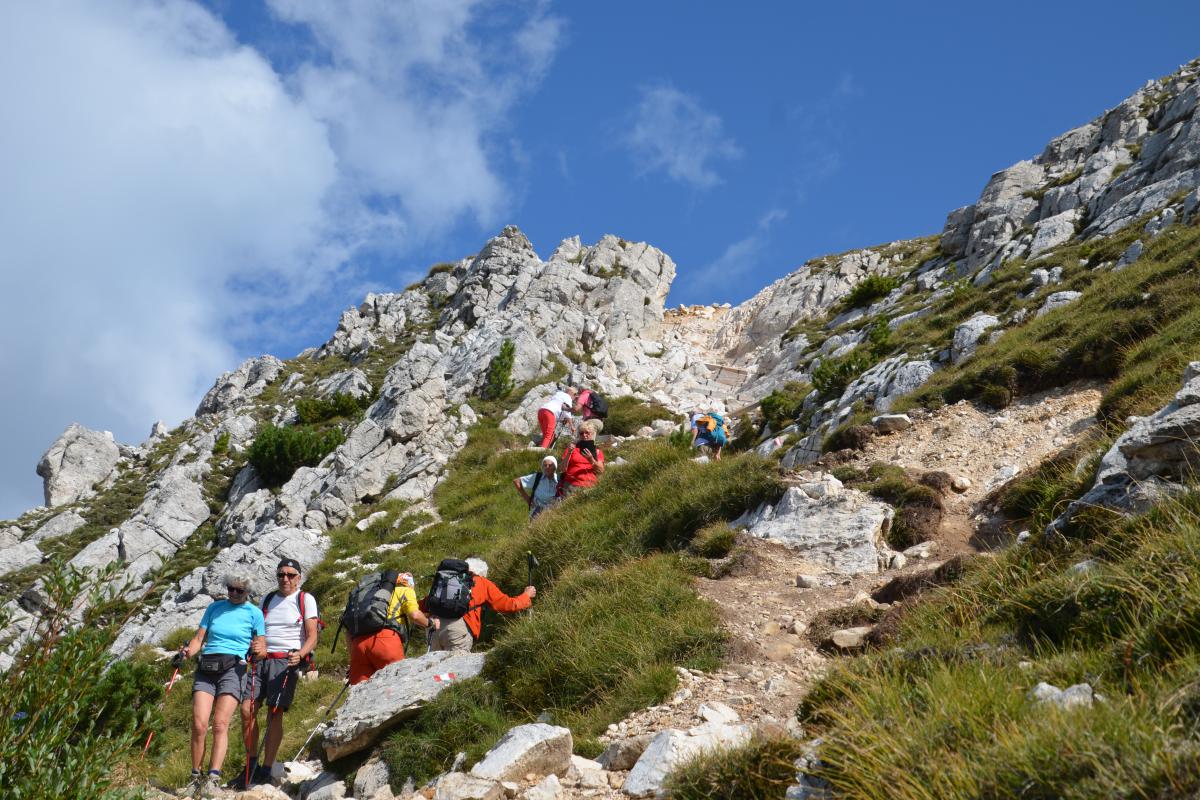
x,y
235,590
287,574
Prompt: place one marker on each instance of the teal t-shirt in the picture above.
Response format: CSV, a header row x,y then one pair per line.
x,y
231,627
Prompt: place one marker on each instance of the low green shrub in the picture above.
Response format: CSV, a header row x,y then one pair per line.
x,y
870,289
760,770
782,406
499,382
315,410
627,414
832,375
65,723
276,452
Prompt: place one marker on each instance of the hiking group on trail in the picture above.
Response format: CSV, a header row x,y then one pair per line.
x,y
250,657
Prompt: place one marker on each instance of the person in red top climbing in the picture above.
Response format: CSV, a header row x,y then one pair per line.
x,y
582,461
458,634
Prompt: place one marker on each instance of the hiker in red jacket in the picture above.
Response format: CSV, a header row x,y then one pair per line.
x,y
582,461
460,634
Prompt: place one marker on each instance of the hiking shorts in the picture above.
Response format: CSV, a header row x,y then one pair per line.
x,y
452,635
373,652
231,681
275,683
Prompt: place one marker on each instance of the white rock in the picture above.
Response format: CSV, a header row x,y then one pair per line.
x,y
393,694
808,582
670,748
461,786
1058,300
370,777
716,711
622,754
326,786
535,748
78,460
890,423
968,334
370,520
546,789
851,638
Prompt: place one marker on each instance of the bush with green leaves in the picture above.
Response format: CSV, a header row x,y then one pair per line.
x,y
627,414
314,410
65,723
783,405
832,375
499,373
870,289
277,453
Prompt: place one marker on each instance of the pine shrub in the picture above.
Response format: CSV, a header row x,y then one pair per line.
x,y
278,452
499,381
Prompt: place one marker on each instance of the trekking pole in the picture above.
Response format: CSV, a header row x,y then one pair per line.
x,y
253,670
328,710
532,562
275,708
166,694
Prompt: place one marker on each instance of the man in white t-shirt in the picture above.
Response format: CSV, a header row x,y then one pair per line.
x,y
293,626
558,407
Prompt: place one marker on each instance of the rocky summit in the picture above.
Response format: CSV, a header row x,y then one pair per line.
x,y
898,392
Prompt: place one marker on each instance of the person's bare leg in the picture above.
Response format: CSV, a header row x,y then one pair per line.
x,y
274,737
223,710
202,704
249,712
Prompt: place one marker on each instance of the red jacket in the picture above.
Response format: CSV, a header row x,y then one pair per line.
x,y
486,593
577,470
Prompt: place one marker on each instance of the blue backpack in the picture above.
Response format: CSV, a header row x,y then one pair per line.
x,y
717,433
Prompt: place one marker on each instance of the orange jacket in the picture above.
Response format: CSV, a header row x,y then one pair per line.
x,y
484,592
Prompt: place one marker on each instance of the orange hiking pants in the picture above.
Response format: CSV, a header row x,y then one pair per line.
x,y
371,653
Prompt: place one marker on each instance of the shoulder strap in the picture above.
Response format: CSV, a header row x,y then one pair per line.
x,y
266,603
533,491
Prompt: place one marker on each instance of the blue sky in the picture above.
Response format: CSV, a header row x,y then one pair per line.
x,y
193,182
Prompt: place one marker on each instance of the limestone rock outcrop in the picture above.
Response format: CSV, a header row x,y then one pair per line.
x,y
76,463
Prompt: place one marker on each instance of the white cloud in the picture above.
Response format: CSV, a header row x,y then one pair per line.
x,y
740,257
167,195
671,132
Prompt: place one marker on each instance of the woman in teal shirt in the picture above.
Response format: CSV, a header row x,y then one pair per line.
x,y
228,631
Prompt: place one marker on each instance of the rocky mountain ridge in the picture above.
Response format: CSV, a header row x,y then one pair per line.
x,y
178,510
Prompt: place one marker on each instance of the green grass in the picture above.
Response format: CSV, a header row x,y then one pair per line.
x,y
628,414
918,506
760,770
943,712
1137,328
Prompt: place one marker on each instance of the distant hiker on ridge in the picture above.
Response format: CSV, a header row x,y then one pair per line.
x,y
228,631
460,590
555,410
539,489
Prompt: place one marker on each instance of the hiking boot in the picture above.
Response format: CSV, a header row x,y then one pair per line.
x,y
192,789
262,775
211,787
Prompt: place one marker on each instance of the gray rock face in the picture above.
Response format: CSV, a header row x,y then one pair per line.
x,y
16,554
624,753
60,525
78,460
968,334
1131,254
839,529
352,382
240,386
461,786
393,694
370,777
670,748
1053,231
538,748
1150,460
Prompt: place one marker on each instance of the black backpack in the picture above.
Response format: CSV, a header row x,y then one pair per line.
x,y
450,595
597,404
366,609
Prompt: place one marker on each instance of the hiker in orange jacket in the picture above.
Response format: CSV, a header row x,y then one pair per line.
x,y
460,634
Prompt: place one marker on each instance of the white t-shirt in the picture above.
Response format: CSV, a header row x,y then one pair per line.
x,y
284,630
561,401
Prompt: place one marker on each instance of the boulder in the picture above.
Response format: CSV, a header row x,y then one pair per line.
x,y
1080,695
370,777
1058,300
352,382
670,748
716,711
60,525
536,748
78,460
392,695
326,786
890,423
1131,254
1053,231
622,754
15,554
851,638
842,531
968,334
461,786
547,788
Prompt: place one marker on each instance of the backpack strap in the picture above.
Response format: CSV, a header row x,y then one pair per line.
x,y
533,491
266,603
